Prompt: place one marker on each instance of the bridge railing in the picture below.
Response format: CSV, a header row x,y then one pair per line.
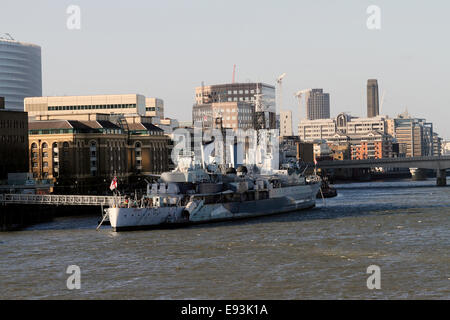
x,y
383,160
60,199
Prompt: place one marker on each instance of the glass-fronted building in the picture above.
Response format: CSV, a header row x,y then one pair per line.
x,y
20,72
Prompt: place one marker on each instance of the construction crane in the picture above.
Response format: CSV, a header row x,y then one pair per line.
x,y
299,95
280,91
382,100
234,73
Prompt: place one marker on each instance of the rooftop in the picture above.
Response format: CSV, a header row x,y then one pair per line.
x,y
79,126
15,42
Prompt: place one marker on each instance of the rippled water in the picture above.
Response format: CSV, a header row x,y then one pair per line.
x,y
322,253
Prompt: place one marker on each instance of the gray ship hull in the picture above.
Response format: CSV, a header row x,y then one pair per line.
x,y
282,200
268,210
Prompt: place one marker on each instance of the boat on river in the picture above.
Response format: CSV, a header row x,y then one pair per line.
x,y
196,195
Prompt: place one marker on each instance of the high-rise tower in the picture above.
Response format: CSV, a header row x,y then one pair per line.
x,y
20,72
373,107
317,104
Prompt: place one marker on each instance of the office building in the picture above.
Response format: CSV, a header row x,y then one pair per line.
x,y
365,125
235,115
414,135
323,129
43,107
437,145
311,130
154,107
373,107
350,137
20,72
317,104
220,100
236,92
13,142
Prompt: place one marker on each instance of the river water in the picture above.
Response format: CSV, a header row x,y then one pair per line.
x,y
321,253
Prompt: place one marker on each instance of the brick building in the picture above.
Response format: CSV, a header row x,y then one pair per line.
x,y
372,145
88,152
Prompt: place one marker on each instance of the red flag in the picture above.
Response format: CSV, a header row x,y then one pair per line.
x,y
113,184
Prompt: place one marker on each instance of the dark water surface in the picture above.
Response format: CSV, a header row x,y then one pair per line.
x,y
322,253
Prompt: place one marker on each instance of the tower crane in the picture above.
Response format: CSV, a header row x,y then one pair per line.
x,y
280,91
299,94
382,100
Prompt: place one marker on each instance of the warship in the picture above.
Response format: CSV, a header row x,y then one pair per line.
x,y
193,195
220,190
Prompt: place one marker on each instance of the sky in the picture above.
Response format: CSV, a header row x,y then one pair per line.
x,y
166,48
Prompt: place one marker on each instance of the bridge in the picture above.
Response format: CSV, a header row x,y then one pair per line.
x,y
67,200
440,164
